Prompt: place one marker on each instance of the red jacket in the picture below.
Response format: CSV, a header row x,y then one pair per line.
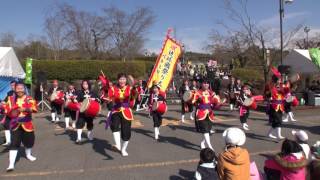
x,y
277,99
205,101
23,119
123,100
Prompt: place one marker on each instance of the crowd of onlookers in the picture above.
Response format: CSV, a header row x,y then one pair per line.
x,y
294,161
199,71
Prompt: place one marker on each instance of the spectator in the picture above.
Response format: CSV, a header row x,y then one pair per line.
x,y
217,86
197,76
206,169
315,163
234,161
179,67
301,138
290,163
313,86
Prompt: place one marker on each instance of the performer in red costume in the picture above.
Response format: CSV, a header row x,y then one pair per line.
x,y
70,97
19,108
84,120
275,93
140,90
123,97
290,100
56,108
246,103
6,120
157,107
205,100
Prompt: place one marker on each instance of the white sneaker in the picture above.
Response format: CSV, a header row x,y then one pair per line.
x,y
6,144
291,116
271,135
124,148
191,116
203,144
182,118
12,159
124,153
29,156
245,126
90,135
279,133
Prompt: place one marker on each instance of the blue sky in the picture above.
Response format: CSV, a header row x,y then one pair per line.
x,y
192,19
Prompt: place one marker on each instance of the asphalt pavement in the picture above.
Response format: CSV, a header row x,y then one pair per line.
x,y
175,156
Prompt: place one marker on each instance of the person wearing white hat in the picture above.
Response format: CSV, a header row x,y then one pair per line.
x,y
302,139
234,161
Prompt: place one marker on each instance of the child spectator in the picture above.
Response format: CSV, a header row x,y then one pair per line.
x,y
234,162
301,138
315,163
206,169
290,163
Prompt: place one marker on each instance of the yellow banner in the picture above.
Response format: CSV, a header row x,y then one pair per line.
x,y
165,65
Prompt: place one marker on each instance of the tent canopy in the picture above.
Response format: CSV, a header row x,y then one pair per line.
x,y
9,64
300,62
10,69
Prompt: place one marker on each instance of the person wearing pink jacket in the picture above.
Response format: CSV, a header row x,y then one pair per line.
x,y
289,164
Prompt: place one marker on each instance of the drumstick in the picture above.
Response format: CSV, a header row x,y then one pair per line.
x,y
102,73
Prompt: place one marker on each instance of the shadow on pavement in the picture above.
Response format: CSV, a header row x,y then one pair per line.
x,y
100,145
183,174
172,140
312,129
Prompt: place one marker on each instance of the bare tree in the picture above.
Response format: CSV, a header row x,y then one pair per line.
x,y
312,42
7,39
127,30
54,28
250,38
92,36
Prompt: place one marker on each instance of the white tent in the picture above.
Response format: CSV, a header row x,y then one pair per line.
x,y
300,62
9,64
10,69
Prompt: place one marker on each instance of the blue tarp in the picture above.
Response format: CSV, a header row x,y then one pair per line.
x,y
5,86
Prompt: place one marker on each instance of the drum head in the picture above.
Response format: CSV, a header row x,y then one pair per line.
x,y
84,105
53,96
289,99
187,96
248,102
